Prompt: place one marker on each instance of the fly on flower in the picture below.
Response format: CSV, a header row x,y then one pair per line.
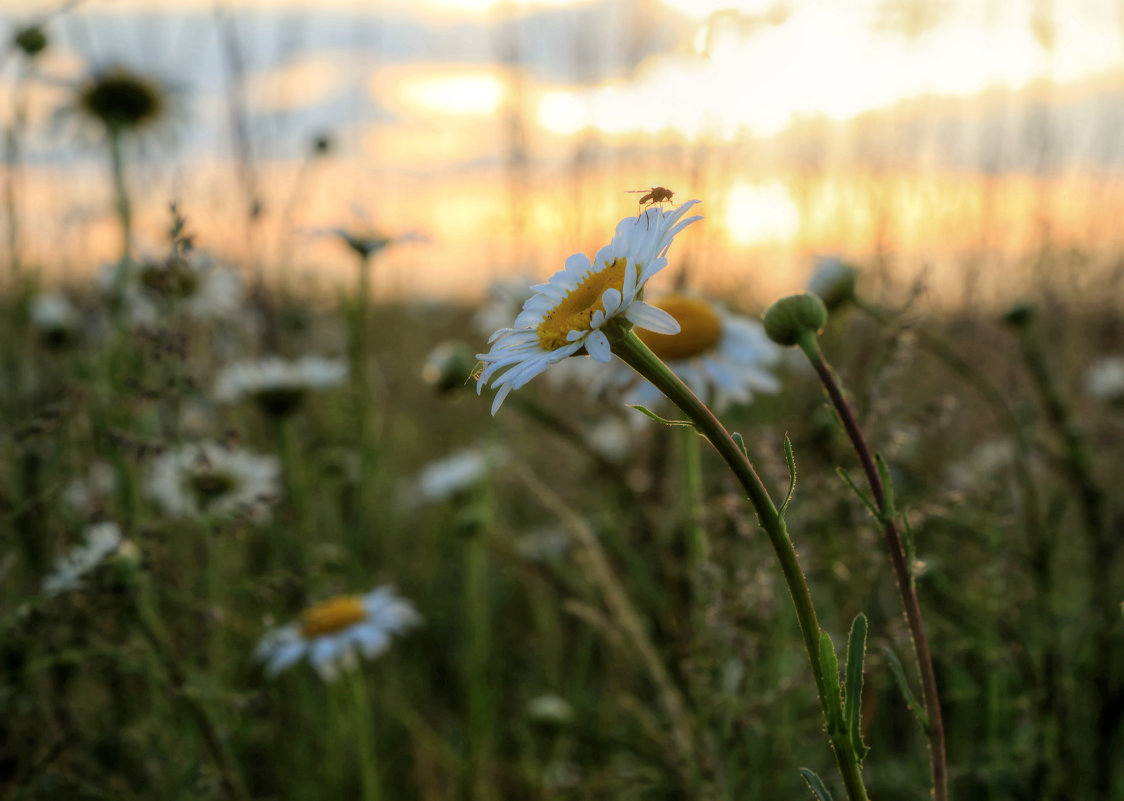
x,y
588,305
653,196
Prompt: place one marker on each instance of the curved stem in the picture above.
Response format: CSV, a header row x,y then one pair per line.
x,y
633,352
902,573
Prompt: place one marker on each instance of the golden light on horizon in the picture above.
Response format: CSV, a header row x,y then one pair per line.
x,y
757,213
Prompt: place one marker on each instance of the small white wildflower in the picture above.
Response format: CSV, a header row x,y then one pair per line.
x,y
333,633
444,478
277,385
102,539
207,479
1104,380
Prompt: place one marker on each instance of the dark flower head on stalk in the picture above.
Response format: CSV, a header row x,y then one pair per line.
x,y
122,100
31,40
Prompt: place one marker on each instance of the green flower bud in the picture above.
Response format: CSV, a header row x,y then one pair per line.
x,y
790,318
550,711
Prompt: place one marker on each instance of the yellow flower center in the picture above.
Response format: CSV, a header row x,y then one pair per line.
x,y
576,310
332,615
700,329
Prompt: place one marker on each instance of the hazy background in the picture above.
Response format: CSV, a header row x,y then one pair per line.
x,y
960,140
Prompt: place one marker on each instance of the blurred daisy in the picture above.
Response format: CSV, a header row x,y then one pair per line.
x,y
192,283
102,540
833,280
207,479
506,297
54,319
724,358
1105,380
586,303
334,632
447,477
276,385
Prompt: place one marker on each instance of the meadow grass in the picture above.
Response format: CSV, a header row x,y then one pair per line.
x,y
577,642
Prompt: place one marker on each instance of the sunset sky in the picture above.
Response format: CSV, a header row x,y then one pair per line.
x,y
508,132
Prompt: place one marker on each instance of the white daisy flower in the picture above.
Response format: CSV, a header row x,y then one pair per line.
x,y
1105,380
724,358
833,280
207,479
585,302
54,318
102,539
277,385
193,283
444,478
334,632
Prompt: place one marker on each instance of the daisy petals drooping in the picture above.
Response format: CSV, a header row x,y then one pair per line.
x,y
570,312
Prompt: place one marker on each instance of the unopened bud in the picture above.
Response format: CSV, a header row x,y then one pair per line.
x,y
792,317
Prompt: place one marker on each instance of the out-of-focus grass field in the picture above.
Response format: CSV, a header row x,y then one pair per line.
x,y
522,682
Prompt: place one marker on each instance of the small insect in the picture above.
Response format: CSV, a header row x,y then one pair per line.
x,y
657,194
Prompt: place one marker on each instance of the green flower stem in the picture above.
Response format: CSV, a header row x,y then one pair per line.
x,y
633,352
177,676
902,572
124,207
1055,753
363,719
698,546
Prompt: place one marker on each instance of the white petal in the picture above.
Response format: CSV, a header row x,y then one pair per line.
x,y
652,318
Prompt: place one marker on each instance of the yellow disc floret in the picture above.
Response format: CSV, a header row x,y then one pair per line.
x,y
700,329
332,615
576,310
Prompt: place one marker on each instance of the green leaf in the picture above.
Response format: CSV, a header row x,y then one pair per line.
x,y
903,685
816,785
791,459
887,487
830,664
663,420
853,685
740,443
867,502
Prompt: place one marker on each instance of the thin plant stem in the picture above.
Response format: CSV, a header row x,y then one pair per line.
x,y
1056,757
364,723
177,676
698,545
1076,463
121,190
625,616
633,352
902,571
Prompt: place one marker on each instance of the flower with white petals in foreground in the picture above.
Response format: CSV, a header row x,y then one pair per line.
x,y
1105,380
724,358
207,479
278,386
102,539
587,305
332,633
